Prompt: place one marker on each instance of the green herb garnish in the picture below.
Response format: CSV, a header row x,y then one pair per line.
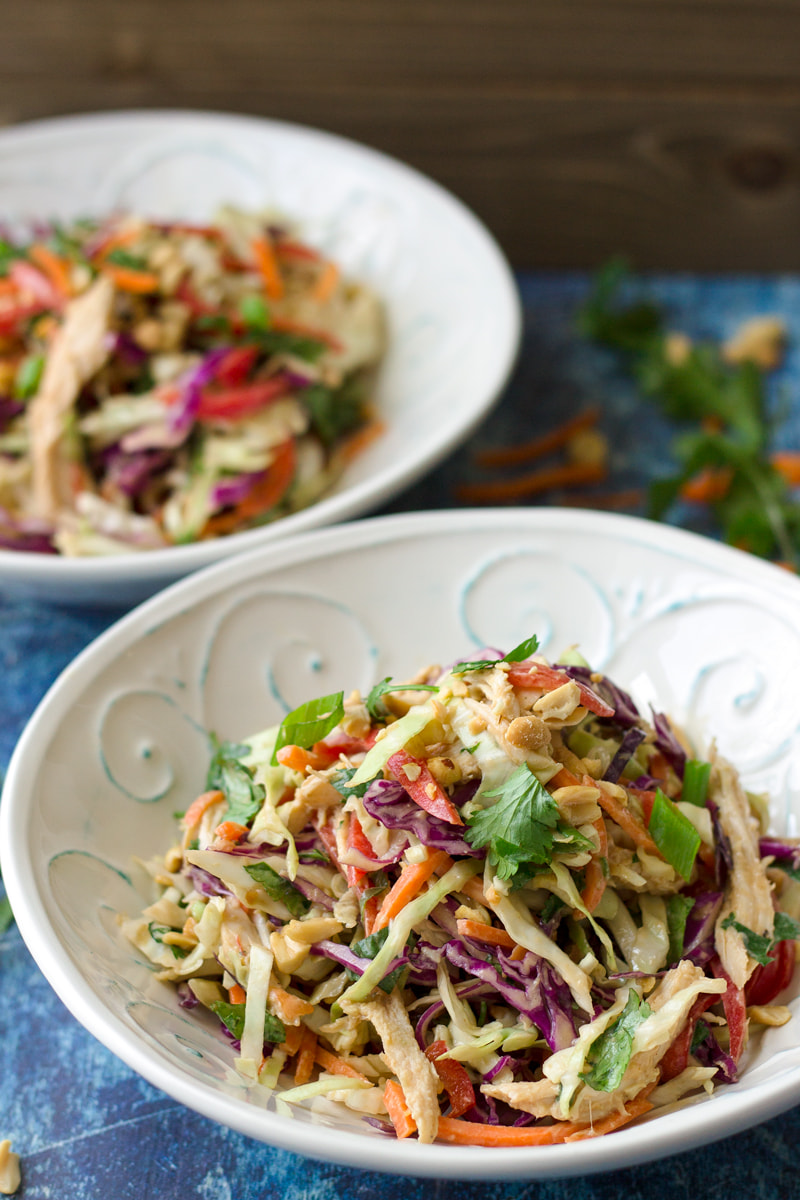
x,y
158,932
372,702
232,1017
760,945
519,827
229,776
279,888
610,1054
309,723
519,654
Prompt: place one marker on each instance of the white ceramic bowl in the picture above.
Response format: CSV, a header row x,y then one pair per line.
x,y
118,745
452,305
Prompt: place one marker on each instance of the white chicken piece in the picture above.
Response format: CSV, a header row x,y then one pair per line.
x,y
670,1002
748,892
416,1074
78,351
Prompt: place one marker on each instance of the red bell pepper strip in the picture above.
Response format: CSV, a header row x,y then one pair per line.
x,y
237,364
230,404
767,981
421,786
735,1011
454,1077
676,1058
537,675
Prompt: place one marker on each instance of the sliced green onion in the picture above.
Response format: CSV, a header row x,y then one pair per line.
x,y
675,836
695,782
254,312
309,723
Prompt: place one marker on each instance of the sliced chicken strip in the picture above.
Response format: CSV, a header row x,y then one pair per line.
x,y
416,1074
670,1002
78,351
748,892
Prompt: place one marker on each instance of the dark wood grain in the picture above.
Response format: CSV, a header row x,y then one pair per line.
x,y
575,128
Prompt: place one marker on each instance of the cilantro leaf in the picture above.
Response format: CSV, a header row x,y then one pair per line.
x,y
368,947
309,723
519,828
334,411
232,1017
760,945
341,781
279,888
157,933
610,1053
229,776
372,702
519,654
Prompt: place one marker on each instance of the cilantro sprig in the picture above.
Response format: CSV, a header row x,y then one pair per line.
x,y
520,827
519,654
227,774
232,1017
610,1053
279,888
760,945
372,702
727,428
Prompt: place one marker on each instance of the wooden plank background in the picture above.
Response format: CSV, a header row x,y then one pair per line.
x,y
576,129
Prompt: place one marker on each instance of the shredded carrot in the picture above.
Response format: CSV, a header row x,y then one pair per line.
x,y
336,1065
236,994
594,876
267,264
306,1054
533,484
357,442
410,882
326,283
708,485
565,778
469,1133
787,464
626,820
482,932
129,280
55,268
554,439
613,501
196,809
231,831
398,1110
474,889
288,1007
288,325
116,240
298,759
263,495
369,913
287,248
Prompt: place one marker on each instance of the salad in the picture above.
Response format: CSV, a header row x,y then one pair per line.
x,y
494,905
162,383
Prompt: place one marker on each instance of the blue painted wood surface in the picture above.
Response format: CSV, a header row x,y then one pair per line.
x,y
86,1126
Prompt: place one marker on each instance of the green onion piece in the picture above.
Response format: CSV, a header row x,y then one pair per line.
x,y
309,723
254,312
695,782
29,373
675,835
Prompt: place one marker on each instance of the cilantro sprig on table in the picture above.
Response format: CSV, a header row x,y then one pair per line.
x,y
727,427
